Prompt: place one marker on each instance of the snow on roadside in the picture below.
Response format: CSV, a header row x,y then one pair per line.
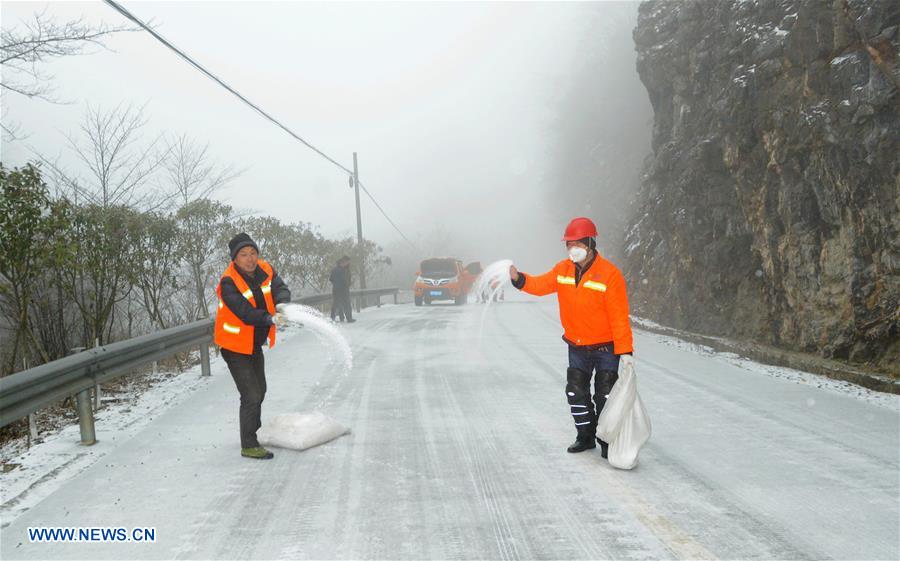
x,y
40,470
887,400
35,473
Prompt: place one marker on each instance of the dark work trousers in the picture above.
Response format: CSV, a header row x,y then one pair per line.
x,y
249,376
337,305
343,304
583,364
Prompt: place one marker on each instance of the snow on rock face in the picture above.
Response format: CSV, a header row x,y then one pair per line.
x,y
786,165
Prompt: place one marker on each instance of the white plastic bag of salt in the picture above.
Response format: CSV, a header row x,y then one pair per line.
x,y
299,431
624,422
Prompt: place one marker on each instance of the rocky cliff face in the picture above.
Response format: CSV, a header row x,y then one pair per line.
x,y
769,208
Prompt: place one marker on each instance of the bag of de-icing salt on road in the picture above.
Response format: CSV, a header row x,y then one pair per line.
x,y
299,431
624,423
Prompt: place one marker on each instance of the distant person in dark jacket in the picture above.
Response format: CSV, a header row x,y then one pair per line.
x,y
340,290
251,299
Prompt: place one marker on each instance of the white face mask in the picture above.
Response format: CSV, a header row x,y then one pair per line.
x,y
577,254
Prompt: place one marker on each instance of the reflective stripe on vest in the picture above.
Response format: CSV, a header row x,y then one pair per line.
x,y
231,328
565,280
593,285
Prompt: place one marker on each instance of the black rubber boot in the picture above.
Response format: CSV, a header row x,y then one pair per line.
x,y
604,448
581,444
603,384
578,394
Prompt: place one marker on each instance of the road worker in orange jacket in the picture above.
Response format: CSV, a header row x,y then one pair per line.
x,y
251,297
593,308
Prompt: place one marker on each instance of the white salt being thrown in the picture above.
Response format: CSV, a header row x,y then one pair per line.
x,y
324,330
299,431
493,279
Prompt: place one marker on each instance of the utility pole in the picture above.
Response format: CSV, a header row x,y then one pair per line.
x,y
359,236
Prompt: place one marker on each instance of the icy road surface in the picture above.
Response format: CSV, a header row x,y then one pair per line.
x,y
458,451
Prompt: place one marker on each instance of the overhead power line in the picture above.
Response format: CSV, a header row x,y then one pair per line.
x,y
122,10
378,206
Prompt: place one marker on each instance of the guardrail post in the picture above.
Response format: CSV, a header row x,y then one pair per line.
x,y
395,297
85,417
204,359
32,431
378,305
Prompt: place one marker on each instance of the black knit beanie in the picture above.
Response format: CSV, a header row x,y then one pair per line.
x,y
239,241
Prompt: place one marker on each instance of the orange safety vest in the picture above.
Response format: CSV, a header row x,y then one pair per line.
x,y
230,332
596,310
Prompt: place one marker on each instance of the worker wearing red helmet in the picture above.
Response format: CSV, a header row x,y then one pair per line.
x,y
593,308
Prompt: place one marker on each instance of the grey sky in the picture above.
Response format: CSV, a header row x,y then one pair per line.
x,y
449,106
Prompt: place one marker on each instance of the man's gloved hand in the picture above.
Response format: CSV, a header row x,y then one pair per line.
x,y
626,360
277,319
281,307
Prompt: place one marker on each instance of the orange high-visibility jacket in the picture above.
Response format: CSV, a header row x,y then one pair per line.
x,y
230,332
595,311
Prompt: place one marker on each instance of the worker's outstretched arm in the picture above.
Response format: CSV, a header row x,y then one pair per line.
x,y
540,285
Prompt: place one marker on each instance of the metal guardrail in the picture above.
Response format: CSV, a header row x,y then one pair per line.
x,y
359,296
23,393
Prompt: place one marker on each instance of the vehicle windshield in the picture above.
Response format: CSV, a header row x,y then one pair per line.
x,y
439,268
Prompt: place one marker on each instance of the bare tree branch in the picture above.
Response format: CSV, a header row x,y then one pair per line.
x,y
23,50
119,170
11,131
193,174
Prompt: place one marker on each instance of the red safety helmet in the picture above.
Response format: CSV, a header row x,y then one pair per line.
x,y
580,228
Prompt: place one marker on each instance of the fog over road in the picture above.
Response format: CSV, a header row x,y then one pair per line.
x,y
458,451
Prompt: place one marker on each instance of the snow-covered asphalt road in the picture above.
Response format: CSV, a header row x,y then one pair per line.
x,y
458,451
